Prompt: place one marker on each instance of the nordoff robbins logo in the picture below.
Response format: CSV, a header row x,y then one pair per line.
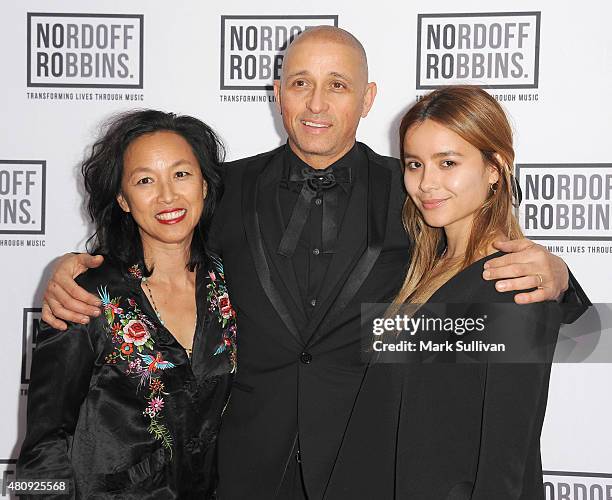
x,y
566,201
22,196
252,47
494,50
85,50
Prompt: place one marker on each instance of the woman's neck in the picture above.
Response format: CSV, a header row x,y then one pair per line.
x,y
169,262
457,243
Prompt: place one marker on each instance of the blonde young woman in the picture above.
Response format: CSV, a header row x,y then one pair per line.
x,y
453,431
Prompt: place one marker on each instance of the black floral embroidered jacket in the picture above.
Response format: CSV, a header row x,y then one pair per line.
x,y
118,408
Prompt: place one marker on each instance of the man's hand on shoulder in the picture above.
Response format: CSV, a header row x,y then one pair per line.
x,y
527,265
63,298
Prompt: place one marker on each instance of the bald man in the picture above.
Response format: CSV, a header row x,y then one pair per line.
x,y
319,233
308,232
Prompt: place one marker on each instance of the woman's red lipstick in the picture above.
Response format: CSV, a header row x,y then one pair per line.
x,y
171,216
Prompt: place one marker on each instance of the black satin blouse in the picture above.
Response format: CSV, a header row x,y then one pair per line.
x,y
118,408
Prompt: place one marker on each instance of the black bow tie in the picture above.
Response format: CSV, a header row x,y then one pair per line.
x,y
319,180
314,183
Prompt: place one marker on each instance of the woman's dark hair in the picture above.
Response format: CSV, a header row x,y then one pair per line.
x,y
116,233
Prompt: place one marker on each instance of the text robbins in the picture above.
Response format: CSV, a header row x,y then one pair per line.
x,y
252,47
495,50
566,201
22,196
85,50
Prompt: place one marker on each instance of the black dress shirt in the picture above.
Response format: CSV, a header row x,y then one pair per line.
x,y
311,259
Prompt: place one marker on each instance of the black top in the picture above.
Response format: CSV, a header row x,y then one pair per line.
x,y
118,407
453,431
315,249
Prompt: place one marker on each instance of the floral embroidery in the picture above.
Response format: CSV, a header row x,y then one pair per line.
x,y
131,327
225,308
130,332
135,332
155,405
219,305
135,272
156,385
127,349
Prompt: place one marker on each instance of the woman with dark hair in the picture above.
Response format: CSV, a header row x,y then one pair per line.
x,y
129,405
454,430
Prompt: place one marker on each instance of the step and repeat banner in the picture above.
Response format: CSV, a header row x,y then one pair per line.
x,y
66,66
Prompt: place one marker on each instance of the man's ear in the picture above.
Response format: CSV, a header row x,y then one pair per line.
x,y
123,203
277,95
368,98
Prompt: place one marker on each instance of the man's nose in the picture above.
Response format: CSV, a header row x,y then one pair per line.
x,y
317,102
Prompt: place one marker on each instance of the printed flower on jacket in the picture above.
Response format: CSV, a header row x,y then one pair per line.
x,y
131,332
135,332
156,385
156,404
225,307
127,348
134,366
220,306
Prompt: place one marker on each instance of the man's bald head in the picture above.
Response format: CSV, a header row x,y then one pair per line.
x,y
323,93
331,34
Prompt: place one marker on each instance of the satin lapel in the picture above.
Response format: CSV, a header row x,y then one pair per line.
x,y
252,226
268,208
378,189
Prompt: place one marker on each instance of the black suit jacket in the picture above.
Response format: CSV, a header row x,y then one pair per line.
x,y
453,431
298,376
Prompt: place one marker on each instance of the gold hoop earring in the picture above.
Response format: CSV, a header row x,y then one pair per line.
x,y
493,188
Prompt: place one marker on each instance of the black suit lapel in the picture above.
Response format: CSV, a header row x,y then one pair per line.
x,y
252,224
268,207
344,280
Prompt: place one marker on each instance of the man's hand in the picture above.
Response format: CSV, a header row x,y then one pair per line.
x,y
64,299
527,265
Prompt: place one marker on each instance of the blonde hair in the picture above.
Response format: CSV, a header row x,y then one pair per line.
x,y
477,118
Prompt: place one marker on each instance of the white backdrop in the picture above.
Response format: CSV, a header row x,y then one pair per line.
x,y
549,63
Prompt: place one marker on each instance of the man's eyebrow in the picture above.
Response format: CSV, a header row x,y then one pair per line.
x,y
298,73
304,72
339,75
